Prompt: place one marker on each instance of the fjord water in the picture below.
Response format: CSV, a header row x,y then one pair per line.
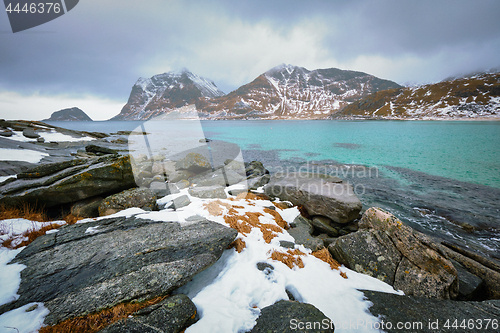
x,y
440,177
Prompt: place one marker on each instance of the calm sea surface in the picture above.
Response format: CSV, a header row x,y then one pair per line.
x,y
442,178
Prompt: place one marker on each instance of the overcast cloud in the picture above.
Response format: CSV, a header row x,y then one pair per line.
x,y
91,56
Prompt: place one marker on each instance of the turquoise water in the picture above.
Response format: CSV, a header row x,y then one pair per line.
x,y
435,176
465,151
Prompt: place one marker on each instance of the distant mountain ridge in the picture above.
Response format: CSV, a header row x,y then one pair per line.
x,y
70,114
473,97
284,92
291,92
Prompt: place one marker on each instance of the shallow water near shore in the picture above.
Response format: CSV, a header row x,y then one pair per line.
x,y
442,178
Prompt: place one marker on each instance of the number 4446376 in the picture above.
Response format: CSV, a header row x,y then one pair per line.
x,y
34,8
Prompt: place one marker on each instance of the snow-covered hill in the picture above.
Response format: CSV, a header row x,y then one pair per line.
x,y
474,97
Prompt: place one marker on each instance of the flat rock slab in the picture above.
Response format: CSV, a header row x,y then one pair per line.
x,y
432,314
69,181
320,196
87,267
290,316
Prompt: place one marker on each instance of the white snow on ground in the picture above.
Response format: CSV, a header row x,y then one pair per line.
x,y
14,228
230,294
9,276
17,320
21,321
26,155
49,136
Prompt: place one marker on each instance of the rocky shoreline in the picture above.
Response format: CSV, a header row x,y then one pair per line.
x,y
117,256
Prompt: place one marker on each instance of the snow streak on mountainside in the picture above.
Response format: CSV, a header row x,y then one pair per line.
x,y
290,92
475,97
162,93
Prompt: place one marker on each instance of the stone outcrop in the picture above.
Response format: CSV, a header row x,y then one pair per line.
x,y
324,196
285,316
134,197
87,267
301,230
387,249
172,315
70,181
193,162
431,315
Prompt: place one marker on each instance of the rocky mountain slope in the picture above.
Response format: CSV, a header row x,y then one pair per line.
x,y
165,92
284,92
291,92
474,97
71,114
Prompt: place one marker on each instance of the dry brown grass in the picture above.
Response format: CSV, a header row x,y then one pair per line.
x,y
290,258
97,321
244,223
32,213
26,211
343,274
238,244
325,255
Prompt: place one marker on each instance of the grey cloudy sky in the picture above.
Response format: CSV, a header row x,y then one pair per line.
x,y
91,56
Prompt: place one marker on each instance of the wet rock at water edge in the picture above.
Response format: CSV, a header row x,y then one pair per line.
x,y
387,249
318,196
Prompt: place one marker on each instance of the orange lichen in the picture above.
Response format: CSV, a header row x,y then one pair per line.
x,y
290,258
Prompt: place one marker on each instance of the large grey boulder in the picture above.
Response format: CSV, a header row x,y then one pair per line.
x,y
387,249
87,267
69,181
319,195
194,162
172,315
290,316
134,197
369,252
417,314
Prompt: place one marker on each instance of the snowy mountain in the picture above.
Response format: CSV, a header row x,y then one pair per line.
x,y
71,114
165,92
284,92
474,97
290,92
